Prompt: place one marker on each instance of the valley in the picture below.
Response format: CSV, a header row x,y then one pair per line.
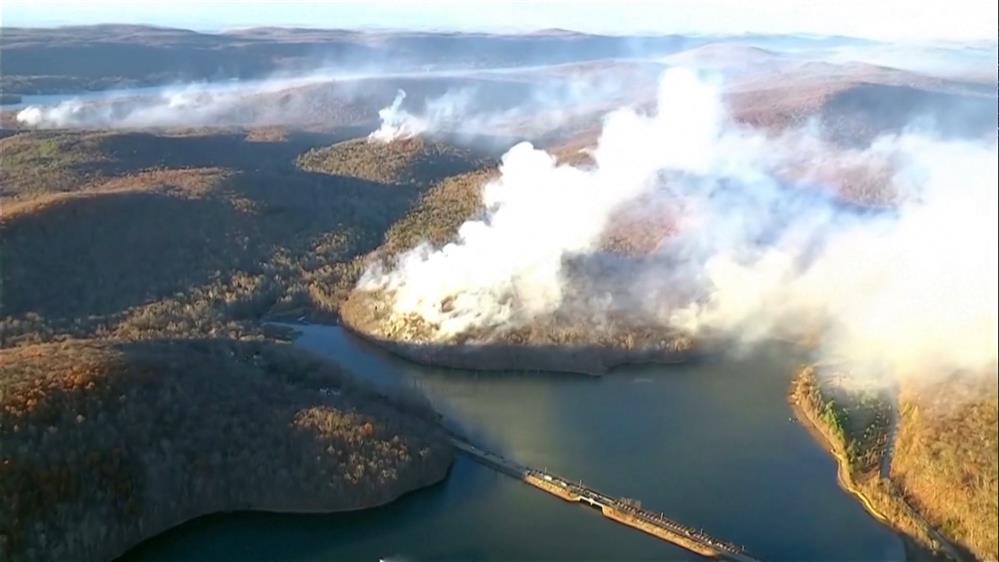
x,y
266,293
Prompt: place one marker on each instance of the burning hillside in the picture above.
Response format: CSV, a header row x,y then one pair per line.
x,y
738,240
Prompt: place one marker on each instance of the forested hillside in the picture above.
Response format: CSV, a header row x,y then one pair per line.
x,y
104,444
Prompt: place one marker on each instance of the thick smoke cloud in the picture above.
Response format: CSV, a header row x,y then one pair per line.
x,y
760,249
910,292
541,212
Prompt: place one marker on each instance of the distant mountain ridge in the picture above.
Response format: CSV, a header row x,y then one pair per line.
x,y
73,58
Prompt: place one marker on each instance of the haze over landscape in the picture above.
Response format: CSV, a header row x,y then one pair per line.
x,y
260,257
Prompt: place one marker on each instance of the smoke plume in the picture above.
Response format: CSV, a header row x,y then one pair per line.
x,y
525,104
195,104
462,102
398,123
762,247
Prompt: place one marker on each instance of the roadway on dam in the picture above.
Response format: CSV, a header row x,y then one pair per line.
x,y
622,510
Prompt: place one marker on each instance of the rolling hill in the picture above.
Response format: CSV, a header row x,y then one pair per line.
x,y
108,443
135,233
406,162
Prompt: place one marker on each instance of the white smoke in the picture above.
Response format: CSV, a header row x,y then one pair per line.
x,y
184,105
491,101
908,293
398,123
759,253
541,212
541,105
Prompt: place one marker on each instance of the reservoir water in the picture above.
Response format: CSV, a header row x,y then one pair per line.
x,y
85,96
713,444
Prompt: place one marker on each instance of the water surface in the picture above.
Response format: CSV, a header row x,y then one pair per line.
x,y
86,96
711,444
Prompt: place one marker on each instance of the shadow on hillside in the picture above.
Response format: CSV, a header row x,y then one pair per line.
x,y
104,253
283,363
861,113
137,150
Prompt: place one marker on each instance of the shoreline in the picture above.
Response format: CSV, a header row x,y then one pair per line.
x,y
101,483
877,495
587,361
915,548
308,511
843,476
284,511
277,510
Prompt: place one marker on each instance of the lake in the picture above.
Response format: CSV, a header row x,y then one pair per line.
x,y
713,444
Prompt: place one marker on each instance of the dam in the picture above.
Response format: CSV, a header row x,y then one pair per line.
x,y
622,510
775,494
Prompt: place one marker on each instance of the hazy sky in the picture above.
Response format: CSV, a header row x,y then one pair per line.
x,y
883,19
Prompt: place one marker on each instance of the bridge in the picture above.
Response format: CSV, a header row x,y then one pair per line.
x,y
623,510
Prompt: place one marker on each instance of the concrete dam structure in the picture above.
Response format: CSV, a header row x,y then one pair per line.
x,y
625,511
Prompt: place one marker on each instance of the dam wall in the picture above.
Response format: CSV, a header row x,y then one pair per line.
x,y
696,546
551,487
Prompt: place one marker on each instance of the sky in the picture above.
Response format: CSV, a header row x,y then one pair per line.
x,y
901,20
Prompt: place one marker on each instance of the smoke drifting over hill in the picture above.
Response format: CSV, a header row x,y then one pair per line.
x,y
525,100
195,104
758,251
398,123
537,105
